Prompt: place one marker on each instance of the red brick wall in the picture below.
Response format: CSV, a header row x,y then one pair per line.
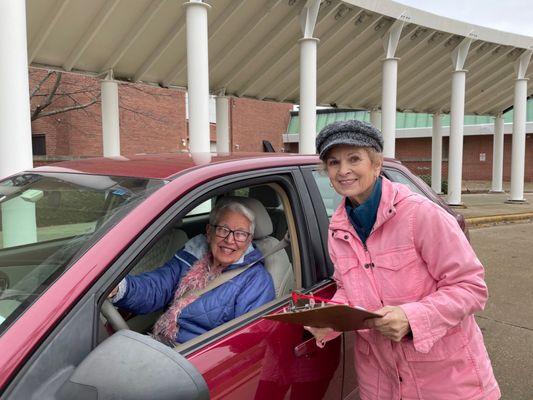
x,y
253,121
152,120
416,155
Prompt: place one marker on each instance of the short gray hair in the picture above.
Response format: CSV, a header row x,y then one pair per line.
x,y
223,206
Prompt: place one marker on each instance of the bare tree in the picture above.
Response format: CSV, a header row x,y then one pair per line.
x,y
49,96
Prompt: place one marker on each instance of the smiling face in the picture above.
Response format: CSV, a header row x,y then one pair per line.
x,y
227,251
352,171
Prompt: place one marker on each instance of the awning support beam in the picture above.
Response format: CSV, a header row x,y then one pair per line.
x,y
436,154
198,76
15,121
518,153
308,68
110,117
457,115
497,155
390,86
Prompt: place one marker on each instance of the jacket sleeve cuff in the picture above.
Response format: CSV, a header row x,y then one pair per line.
x,y
122,289
420,327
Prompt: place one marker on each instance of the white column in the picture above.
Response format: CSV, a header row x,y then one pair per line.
x,y
389,88
223,142
519,141
198,76
110,117
375,117
455,156
388,106
307,113
497,155
15,123
436,154
308,51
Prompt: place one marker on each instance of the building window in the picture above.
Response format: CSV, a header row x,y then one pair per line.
x,y
38,143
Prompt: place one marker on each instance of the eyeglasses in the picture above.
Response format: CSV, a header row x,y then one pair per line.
x,y
238,235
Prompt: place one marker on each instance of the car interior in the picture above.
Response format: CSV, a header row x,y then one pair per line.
x,y
271,207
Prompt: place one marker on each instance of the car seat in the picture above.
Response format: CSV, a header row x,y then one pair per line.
x,y
277,264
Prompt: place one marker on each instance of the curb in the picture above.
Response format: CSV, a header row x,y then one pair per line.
x,y
474,222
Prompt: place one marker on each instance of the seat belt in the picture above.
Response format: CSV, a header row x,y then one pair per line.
x,y
226,276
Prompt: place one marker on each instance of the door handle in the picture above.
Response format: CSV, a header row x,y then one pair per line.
x,y
306,348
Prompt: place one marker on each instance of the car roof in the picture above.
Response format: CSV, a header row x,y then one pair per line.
x,y
168,166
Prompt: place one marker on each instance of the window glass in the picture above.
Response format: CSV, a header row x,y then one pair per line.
x,y
396,176
175,237
329,196
202,208
46,218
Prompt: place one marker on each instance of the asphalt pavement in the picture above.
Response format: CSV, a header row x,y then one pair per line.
x,y
501,234
507,321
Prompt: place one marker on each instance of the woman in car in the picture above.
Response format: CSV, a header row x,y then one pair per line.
x,y
402,256
226,245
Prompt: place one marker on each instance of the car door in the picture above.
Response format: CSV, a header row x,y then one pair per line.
x,y
253,358
246,358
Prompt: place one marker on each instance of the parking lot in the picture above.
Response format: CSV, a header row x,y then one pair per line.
x,y
507,321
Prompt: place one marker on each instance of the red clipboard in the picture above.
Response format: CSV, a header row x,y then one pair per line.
x,y
341,318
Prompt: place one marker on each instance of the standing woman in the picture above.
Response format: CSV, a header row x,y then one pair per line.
x,y
402,256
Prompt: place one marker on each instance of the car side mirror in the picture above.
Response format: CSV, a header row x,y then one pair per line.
x,y
129,365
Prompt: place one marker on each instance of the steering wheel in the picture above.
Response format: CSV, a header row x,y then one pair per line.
x,y
112,315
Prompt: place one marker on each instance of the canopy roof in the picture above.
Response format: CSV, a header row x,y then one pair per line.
x,y
254,51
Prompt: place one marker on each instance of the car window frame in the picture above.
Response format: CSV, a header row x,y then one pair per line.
x,y
287,177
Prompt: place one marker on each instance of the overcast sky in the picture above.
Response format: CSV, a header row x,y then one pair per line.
x,y
509,15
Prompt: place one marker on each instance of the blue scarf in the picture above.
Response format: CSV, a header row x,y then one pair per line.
x,y
363,216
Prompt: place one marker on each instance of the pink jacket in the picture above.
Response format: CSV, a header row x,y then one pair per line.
x,y
418,258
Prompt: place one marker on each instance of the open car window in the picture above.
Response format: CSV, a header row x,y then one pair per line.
x,y
46,219
275,204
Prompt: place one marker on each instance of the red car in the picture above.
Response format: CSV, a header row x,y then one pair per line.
x,y
70,232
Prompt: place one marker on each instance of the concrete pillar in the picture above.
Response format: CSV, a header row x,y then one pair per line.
x,y
110,117
307,113
15,122
455,157
497,155
198,75
519,141
375,117
223,135
388,106
457,116
436,154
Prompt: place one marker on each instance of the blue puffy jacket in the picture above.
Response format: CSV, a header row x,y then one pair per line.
x,y
154,290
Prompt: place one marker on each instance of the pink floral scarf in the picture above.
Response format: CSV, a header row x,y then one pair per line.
x,y
200,274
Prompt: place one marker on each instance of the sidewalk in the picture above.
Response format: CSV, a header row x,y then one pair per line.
x,y
482,207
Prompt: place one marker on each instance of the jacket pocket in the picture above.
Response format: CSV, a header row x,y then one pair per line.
x,y
400,274
448,371
443,348
349,272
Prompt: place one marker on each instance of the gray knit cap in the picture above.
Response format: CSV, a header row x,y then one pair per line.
x,y
354,132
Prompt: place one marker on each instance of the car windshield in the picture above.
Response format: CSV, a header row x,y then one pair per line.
x,y
47,220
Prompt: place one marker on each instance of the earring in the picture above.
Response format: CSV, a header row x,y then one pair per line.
x,y
330,184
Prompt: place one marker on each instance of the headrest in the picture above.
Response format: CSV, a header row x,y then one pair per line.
x,y
263,223
266,195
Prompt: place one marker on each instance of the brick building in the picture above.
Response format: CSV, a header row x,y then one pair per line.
x,y
413,141
152,120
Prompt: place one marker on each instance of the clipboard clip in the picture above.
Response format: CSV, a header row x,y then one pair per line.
x,y
302,302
